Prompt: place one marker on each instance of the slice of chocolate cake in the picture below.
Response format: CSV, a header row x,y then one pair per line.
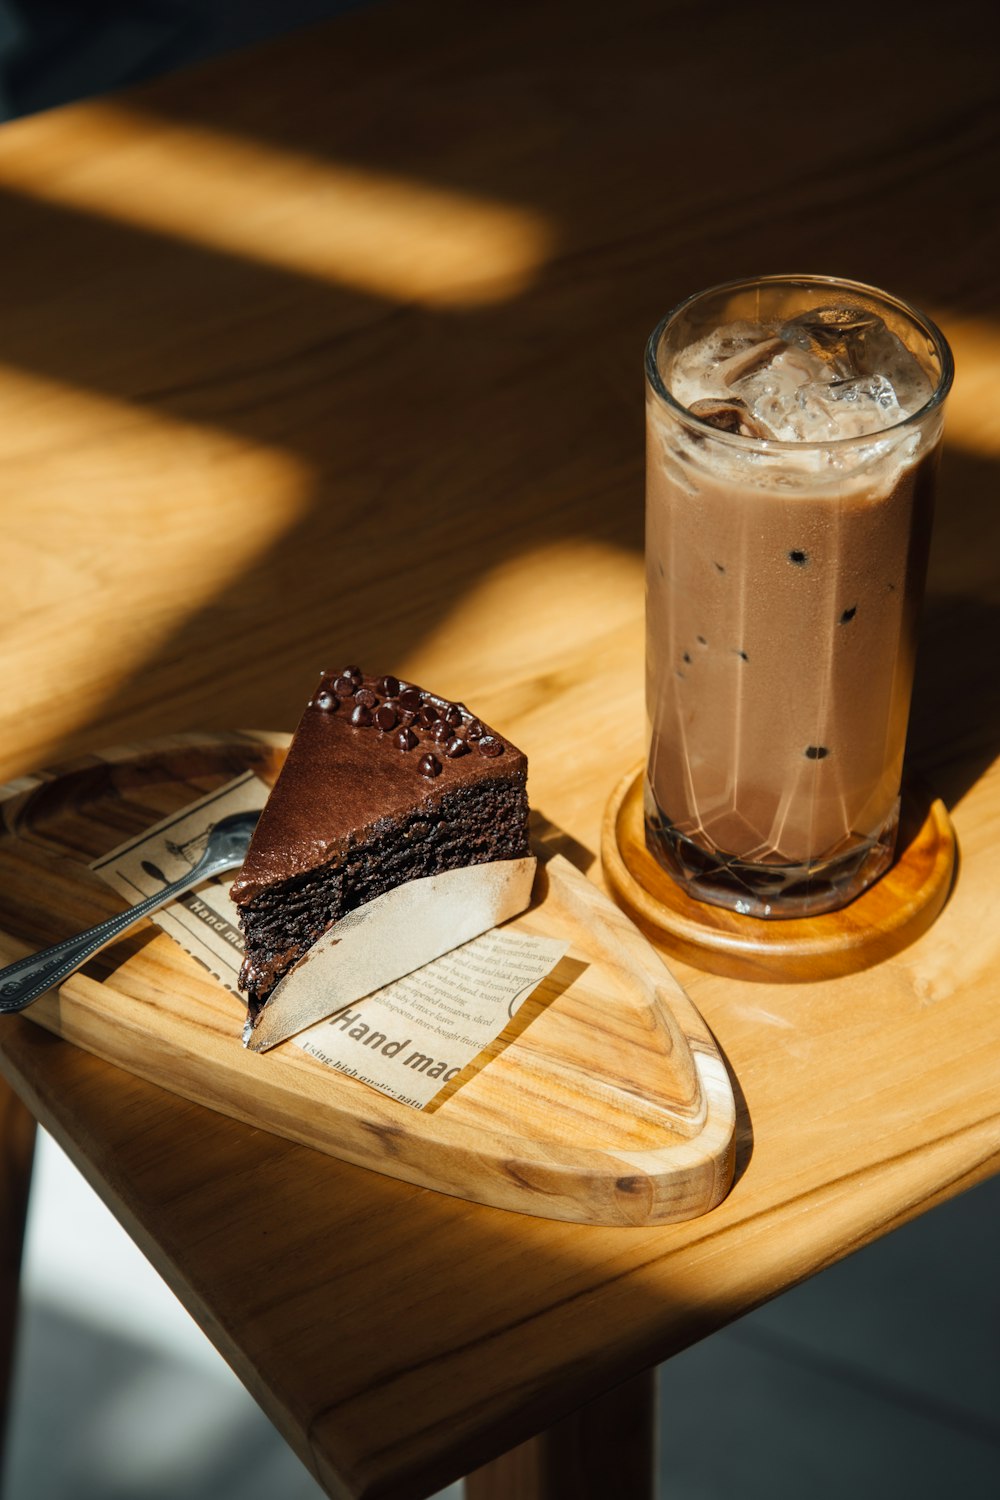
x,y
383,783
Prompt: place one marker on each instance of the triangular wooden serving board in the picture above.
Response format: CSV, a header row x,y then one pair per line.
x,y
605,1102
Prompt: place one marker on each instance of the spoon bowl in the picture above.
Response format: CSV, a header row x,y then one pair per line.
x,y
28,978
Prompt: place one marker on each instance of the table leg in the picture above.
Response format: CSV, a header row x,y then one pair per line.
x,y
17,1147
605,1448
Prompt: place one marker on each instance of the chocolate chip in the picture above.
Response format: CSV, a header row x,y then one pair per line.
x,y
365,697
441,731
798,558
326,701
426,716
429,766
355,674
452,714
475,730
388,686
344,687
455,747
409,699
406,739
491,745
848,614
386,716
816,752
361,715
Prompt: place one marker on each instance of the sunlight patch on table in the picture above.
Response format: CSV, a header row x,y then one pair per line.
x,y
572,591
375,231
184,511
971,420
585,602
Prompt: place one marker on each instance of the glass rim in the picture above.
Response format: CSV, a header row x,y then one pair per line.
x,y
778,445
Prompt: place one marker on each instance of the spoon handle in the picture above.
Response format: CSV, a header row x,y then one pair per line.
x,y
28,978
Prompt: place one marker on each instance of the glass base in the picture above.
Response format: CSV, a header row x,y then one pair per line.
x,y
771,891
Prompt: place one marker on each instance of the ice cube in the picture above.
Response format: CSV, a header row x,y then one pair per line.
x,y
875,392
828,373
838,336
856,345
749,360
707,368
729,415
822,410
781,396
735,338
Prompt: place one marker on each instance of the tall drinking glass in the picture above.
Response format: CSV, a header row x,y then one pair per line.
x,y
793,430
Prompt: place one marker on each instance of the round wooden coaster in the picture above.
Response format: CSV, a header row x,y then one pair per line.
x,y
888,916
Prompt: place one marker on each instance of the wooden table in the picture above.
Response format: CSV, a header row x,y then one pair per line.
x,y
333,350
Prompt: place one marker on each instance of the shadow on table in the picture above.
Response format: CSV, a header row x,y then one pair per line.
x,y
955,719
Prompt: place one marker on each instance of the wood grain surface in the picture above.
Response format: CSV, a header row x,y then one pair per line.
x,y
260,417
604,1101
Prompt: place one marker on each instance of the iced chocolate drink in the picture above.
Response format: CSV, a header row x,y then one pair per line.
x,y
793,428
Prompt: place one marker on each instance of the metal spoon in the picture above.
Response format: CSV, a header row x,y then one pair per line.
x,y
24,981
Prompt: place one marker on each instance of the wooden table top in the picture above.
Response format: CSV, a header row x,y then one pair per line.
x,y
333,350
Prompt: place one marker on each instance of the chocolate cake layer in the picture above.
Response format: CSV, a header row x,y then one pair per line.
x,y
383,783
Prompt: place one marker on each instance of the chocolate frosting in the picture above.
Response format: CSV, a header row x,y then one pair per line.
x,y
366,749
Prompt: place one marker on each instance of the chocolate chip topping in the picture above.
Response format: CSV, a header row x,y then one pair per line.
x,y
816,752
413,718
